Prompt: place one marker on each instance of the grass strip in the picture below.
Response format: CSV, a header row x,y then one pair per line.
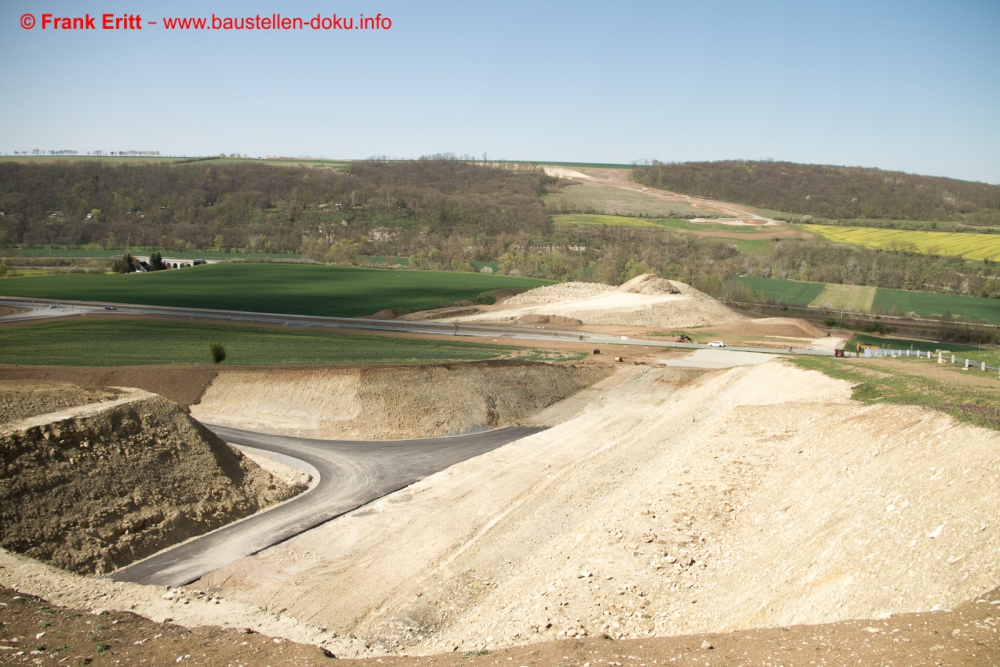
x,y
295,289
107,342
884,381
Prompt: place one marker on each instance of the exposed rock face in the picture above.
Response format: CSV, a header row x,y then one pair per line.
x,y
390,402
96,487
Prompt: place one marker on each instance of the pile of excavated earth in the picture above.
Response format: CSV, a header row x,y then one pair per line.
x,y
675,502
395,402
91,480
645,301
661,502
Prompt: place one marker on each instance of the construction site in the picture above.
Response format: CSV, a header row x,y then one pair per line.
x,y
652,504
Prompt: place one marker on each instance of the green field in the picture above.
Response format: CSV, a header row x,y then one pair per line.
x,y
729,234
606,199
970,246
887,301
792,292
925,304
112,342
299,289
854,298
590,220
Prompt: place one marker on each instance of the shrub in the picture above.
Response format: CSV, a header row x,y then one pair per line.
x,y
486,299
218,351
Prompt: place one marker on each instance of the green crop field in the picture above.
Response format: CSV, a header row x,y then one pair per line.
x,y
925,304
886,301
589,220
970,246
855,298
606,199
299,289
792,292
114,342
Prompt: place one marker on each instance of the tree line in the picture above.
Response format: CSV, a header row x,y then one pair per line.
x,y
821,191
259,207
438,212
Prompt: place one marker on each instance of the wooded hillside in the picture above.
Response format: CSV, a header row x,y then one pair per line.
x,y
828,192
260,207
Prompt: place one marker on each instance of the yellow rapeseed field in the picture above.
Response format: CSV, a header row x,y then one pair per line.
x,y
970,246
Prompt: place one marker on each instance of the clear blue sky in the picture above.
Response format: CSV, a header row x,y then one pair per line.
x,y
910,85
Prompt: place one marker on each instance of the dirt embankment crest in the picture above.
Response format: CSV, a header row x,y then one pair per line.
x,y
96,487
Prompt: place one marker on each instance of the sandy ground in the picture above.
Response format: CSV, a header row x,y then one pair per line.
x,y
755,497
619,179
36,632
389,402
644,301
715,359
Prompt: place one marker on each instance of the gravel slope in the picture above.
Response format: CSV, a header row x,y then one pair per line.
x,y
754,497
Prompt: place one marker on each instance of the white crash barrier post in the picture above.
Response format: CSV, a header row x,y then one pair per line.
x,y
953,358
940,358
984,366
966,364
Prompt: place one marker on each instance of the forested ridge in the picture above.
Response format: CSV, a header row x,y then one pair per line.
x,y
259,207
835,193
438,213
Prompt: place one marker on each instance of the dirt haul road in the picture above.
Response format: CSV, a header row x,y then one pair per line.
x,y
677,502
352,473
619,179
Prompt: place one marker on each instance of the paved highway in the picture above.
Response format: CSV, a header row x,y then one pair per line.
x,y
41,308
351,474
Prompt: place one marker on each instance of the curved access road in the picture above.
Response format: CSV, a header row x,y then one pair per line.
x,y
351,474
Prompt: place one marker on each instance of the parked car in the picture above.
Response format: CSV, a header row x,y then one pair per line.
x,y
716,343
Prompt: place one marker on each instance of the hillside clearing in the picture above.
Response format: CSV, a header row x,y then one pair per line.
x,y
855,298
662,508
125,342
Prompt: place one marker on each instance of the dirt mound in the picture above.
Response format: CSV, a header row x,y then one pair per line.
x,y
181,384
644,301
784,327
557,293
389,402
440,313
385,314
649,283
97,487
548,319
20,400
754,497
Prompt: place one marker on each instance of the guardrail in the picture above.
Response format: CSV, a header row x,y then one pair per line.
x,y
939,357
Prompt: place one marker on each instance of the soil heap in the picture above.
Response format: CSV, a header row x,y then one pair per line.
x,y
92,488
754,497
645,301
389,402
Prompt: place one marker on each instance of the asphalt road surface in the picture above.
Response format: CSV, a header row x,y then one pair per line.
x,y
352,473
50,308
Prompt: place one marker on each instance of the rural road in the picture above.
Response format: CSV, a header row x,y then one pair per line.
x,y
352,473
43,308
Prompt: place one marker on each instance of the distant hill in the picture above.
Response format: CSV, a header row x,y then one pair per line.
x,y
259,206
830,192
